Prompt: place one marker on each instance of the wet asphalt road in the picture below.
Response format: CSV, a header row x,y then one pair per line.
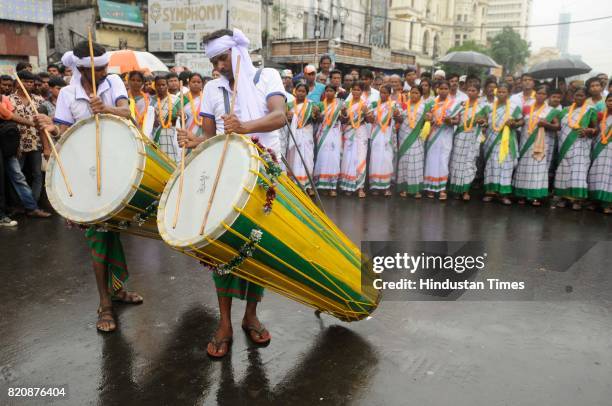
x,y
556,352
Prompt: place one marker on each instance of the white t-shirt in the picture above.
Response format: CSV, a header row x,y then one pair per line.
x,y
73,102
213,105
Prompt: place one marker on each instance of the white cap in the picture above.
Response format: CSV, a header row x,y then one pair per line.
x,y
463,78
440,72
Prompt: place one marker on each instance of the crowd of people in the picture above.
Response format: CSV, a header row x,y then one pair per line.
x,y
365,132
518,138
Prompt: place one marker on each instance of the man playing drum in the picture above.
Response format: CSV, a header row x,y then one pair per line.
x,y
77,102
259,110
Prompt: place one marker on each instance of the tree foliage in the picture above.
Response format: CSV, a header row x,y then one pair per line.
x,y
509,50
470,46
471,70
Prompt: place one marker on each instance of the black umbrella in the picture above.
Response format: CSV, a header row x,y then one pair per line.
x,y
564,67
469,58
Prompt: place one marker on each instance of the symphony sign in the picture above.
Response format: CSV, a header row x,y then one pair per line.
x,y
178,25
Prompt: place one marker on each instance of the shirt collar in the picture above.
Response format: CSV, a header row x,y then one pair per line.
x,y
80,91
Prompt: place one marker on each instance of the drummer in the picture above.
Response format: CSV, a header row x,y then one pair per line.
x,y
76,102
259,110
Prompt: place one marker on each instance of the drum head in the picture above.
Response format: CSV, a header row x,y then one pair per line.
x,y
200,171
120,159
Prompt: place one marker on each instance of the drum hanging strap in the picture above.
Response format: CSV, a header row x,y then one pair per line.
x,y
226,97
226,100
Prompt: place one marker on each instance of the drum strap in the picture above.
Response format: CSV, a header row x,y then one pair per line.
x,y
226,98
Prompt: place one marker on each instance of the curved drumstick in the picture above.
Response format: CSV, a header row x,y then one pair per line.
x,y
223,153
55,154
181,177
95,93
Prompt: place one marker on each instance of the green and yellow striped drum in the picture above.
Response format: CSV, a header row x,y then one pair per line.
x,y
263,228
133,175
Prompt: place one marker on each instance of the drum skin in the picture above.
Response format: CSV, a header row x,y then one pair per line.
x,y
133,212
301,255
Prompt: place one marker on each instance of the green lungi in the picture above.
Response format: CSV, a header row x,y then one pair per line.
x,y
106,249
232,286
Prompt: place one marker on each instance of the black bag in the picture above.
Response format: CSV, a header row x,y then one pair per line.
x,y
9,138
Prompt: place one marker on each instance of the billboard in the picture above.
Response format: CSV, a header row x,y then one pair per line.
x,y
120,14
31,11
179,25
197,62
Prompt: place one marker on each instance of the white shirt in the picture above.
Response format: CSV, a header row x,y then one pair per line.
x,y
213,106
520,101
73,102
407,86
373,96
460,97
290,98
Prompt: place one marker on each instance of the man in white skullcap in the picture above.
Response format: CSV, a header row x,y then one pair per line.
x,y
260,110
74,103
439,75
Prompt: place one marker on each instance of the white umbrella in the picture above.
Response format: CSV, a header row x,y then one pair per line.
x,y
128,60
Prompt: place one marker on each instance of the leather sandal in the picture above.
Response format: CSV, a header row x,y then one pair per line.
x,y
105,315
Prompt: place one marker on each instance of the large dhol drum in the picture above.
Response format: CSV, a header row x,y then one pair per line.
x,y
133,175
293,249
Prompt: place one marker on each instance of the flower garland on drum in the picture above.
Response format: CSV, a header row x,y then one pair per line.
x,y
246,251
273,170
150,210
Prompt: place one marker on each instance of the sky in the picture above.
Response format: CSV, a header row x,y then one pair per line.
x,y
590,40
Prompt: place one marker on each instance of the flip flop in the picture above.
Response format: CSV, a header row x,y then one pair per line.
x,y
127,297
260,331
216,344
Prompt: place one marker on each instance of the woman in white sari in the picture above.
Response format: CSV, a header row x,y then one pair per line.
x,y
439,142
355,137
383,144
302,113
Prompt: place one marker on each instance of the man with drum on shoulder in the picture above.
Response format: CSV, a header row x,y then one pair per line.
x,y
77,102
260,111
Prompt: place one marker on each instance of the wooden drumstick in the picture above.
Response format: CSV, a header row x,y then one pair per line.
x,y
55,154
181,176
95,93
223,153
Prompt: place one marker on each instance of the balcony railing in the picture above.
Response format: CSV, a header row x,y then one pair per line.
x,y
351,53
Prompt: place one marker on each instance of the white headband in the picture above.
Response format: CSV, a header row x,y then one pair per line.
x,y
74,62
219,45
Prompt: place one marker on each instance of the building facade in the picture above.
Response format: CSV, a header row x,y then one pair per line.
x,y
563,32
353,32
469,22
508,13
23,33
114,25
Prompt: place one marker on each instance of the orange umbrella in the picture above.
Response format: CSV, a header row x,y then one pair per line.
x,y
128,60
